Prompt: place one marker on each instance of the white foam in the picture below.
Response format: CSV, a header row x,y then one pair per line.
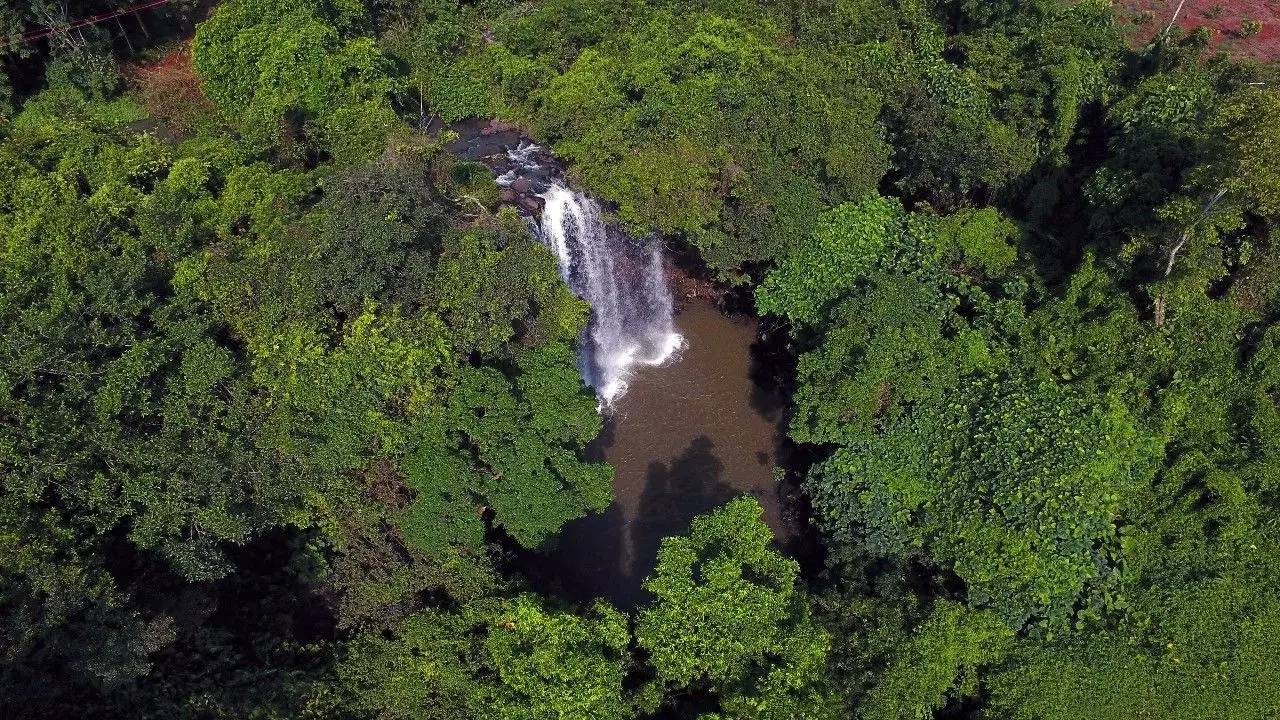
x,y
624,282
668,348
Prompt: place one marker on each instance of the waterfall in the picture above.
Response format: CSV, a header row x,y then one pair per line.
x,y
622,278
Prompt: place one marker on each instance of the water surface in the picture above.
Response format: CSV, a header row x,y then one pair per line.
x,y
686,437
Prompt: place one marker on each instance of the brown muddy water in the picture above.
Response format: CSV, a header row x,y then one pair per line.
x,y
685,438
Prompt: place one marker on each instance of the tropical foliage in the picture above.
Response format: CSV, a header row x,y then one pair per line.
x,y
290,397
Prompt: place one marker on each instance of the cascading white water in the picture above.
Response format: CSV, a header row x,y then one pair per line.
x,y
623,280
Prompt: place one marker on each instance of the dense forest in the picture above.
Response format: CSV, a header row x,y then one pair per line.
x,y
289,390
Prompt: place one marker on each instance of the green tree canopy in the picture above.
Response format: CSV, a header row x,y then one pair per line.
x,y
730,618
267,62
516,658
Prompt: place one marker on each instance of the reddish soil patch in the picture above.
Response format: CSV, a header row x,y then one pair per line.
x,y
1225,19
170,90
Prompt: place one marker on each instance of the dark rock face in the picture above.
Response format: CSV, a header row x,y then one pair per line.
x,y
496,126
531,204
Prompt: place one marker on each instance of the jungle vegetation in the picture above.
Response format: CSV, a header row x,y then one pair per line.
x,y
285,387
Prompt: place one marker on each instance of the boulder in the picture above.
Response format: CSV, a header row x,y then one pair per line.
x,y
531,204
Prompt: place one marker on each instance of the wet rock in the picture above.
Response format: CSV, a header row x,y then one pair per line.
x,y
522,186
496,127
508,196
531,204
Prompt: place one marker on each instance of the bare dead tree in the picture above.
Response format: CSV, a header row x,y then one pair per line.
x,y
1177,248
125,34
1176,12
1186,232
57,17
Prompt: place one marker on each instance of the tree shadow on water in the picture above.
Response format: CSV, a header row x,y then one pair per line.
x,y
771,368
585,561
692,484
605,556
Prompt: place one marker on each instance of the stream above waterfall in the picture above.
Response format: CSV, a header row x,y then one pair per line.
x,y
691,420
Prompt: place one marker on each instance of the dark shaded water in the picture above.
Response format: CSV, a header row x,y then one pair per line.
x,y
687,437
